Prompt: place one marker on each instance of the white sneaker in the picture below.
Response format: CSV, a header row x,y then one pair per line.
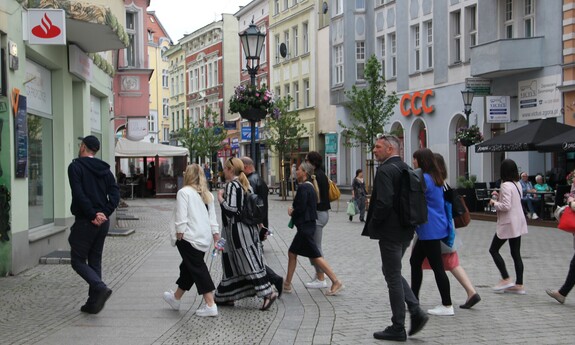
x,y
534,216
529,215
316,284
207,311
442,310
171,300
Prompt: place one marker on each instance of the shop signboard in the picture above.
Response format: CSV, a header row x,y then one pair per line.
x,y
46,26
480,86
539,98
247,133
498,109
331,143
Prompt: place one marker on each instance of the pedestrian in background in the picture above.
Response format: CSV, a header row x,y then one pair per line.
x,y
429,235
359,194
243,264
383,224
451,259
260,187
208,174
304,215
95,196
511,225
323,208
195,225
528,200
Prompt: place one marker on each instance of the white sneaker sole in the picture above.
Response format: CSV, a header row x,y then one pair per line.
x,y
503,287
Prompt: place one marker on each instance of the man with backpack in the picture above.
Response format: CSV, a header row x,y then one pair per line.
x,y
261,188
383,224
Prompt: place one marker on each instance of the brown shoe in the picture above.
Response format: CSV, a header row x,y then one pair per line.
x,y
555,294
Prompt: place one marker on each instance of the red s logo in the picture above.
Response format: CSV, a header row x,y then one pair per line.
x,y
46,29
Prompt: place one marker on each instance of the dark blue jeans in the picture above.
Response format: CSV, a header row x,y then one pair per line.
x,y
86,247
400,293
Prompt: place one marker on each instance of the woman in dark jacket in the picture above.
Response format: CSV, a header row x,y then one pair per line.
x,y
304,214
359,194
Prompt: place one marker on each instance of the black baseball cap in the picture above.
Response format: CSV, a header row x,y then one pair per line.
x,y
91,142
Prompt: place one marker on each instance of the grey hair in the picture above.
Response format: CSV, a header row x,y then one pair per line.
x,y
308,168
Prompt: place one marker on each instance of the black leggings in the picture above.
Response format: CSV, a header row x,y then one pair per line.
x,y
515,248
570,280
430,249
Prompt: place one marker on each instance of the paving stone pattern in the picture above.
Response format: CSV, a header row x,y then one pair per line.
x,y
41,305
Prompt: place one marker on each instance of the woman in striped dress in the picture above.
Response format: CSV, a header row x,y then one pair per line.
x,y
244,269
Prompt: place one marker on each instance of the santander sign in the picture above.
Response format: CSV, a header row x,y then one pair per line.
x,y
46,26
46,29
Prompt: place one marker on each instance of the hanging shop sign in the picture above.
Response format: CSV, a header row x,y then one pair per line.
x,y
137,128
331,143
46,26
416,103
498,109
539,98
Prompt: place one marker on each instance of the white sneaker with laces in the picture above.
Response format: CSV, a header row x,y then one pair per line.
x,y
207,311
316,284
534,216
442,310
171,300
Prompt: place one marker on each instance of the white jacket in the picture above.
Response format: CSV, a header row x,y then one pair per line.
x,y
193,219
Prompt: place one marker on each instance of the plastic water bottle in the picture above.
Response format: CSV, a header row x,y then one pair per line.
x,y
219,246
270,232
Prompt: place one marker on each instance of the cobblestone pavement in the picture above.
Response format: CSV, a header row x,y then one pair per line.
x,y
41,305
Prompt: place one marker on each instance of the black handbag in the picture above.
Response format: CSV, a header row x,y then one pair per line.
x,y
459,211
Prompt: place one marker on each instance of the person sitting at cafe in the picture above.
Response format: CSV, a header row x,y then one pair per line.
x,y
529,199
540,186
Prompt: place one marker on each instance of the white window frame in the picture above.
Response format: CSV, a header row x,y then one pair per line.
x,y
296,94
382,54
306,95
294,31
338,7
529,18
276,7
360,60
305,29
429,43
338,64
456,39
278,43
288,93
508,22
131,54
416,39
392,38
286,42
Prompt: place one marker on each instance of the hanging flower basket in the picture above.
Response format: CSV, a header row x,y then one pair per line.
x,y
468,136
251,102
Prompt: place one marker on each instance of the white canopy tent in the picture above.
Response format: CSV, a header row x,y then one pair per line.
x,y
126,148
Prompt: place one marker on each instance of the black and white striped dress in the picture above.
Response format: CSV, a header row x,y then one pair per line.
x,y
244,270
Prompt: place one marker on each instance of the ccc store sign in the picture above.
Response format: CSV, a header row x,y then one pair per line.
x,y
416,103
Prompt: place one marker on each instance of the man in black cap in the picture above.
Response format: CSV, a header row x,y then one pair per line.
x,y
95,196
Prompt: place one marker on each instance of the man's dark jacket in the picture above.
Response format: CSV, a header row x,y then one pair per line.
x,y
260,188
382,221
94,188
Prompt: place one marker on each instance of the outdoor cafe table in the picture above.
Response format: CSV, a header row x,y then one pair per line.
x,y
541,195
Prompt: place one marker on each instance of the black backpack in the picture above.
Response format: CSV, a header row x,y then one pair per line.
x,y
412,207
252,212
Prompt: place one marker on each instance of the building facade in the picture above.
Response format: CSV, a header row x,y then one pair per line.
x,y
50,94
431,51
177,104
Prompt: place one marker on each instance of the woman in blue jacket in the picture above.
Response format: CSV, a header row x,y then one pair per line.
x,y
430,234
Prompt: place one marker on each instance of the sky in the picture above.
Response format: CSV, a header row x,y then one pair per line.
x,y
179,17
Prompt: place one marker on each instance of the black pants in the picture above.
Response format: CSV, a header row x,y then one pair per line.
x,y
430,249
193,269
515,247
570,281
399,292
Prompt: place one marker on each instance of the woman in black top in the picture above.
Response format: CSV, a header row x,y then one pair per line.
x,y
359,194
304,216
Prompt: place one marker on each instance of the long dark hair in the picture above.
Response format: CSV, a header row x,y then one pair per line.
x,y
441,165
426,161
509,171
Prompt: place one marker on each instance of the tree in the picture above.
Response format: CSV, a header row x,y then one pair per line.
x,y
205,137
283,131
370,107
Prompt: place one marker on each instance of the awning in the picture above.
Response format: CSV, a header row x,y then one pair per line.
x,y
524,138
127,148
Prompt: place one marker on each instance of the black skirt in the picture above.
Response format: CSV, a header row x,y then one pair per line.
x,y
303,242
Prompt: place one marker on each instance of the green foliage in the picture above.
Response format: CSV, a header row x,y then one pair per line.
x,y
205,137
370,107
283,128
464,183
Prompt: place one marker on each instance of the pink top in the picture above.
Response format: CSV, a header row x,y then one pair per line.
x,y
511,221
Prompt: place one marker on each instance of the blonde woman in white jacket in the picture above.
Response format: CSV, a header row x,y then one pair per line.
x,y
194,227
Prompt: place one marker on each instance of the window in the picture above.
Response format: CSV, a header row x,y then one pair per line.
x,y
472,19
360,59
338,7
276,7
429,43
216,77
393,52
131,50
286,42
165,78
202,77
173,87
360,4
150,36
286,4
338,64
306,102
152,123
40,171
278,43
416,47
381,46
295,42
181,89
173,121
263,53
287,93
456,37
305,29
508,24
210,75
528,19
278,92
296,95
165,107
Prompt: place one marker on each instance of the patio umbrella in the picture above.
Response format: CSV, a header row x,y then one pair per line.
x,y
524,138
562,142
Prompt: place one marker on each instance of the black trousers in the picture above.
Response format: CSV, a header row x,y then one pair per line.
x,y
570,280
193,269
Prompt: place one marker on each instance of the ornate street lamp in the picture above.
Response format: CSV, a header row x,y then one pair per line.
x,y
252,43
467,96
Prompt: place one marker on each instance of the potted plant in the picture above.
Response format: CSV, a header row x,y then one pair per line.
x,y
468,136
253,103
466,188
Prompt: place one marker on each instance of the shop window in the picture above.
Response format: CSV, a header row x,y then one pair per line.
x,y
40,171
